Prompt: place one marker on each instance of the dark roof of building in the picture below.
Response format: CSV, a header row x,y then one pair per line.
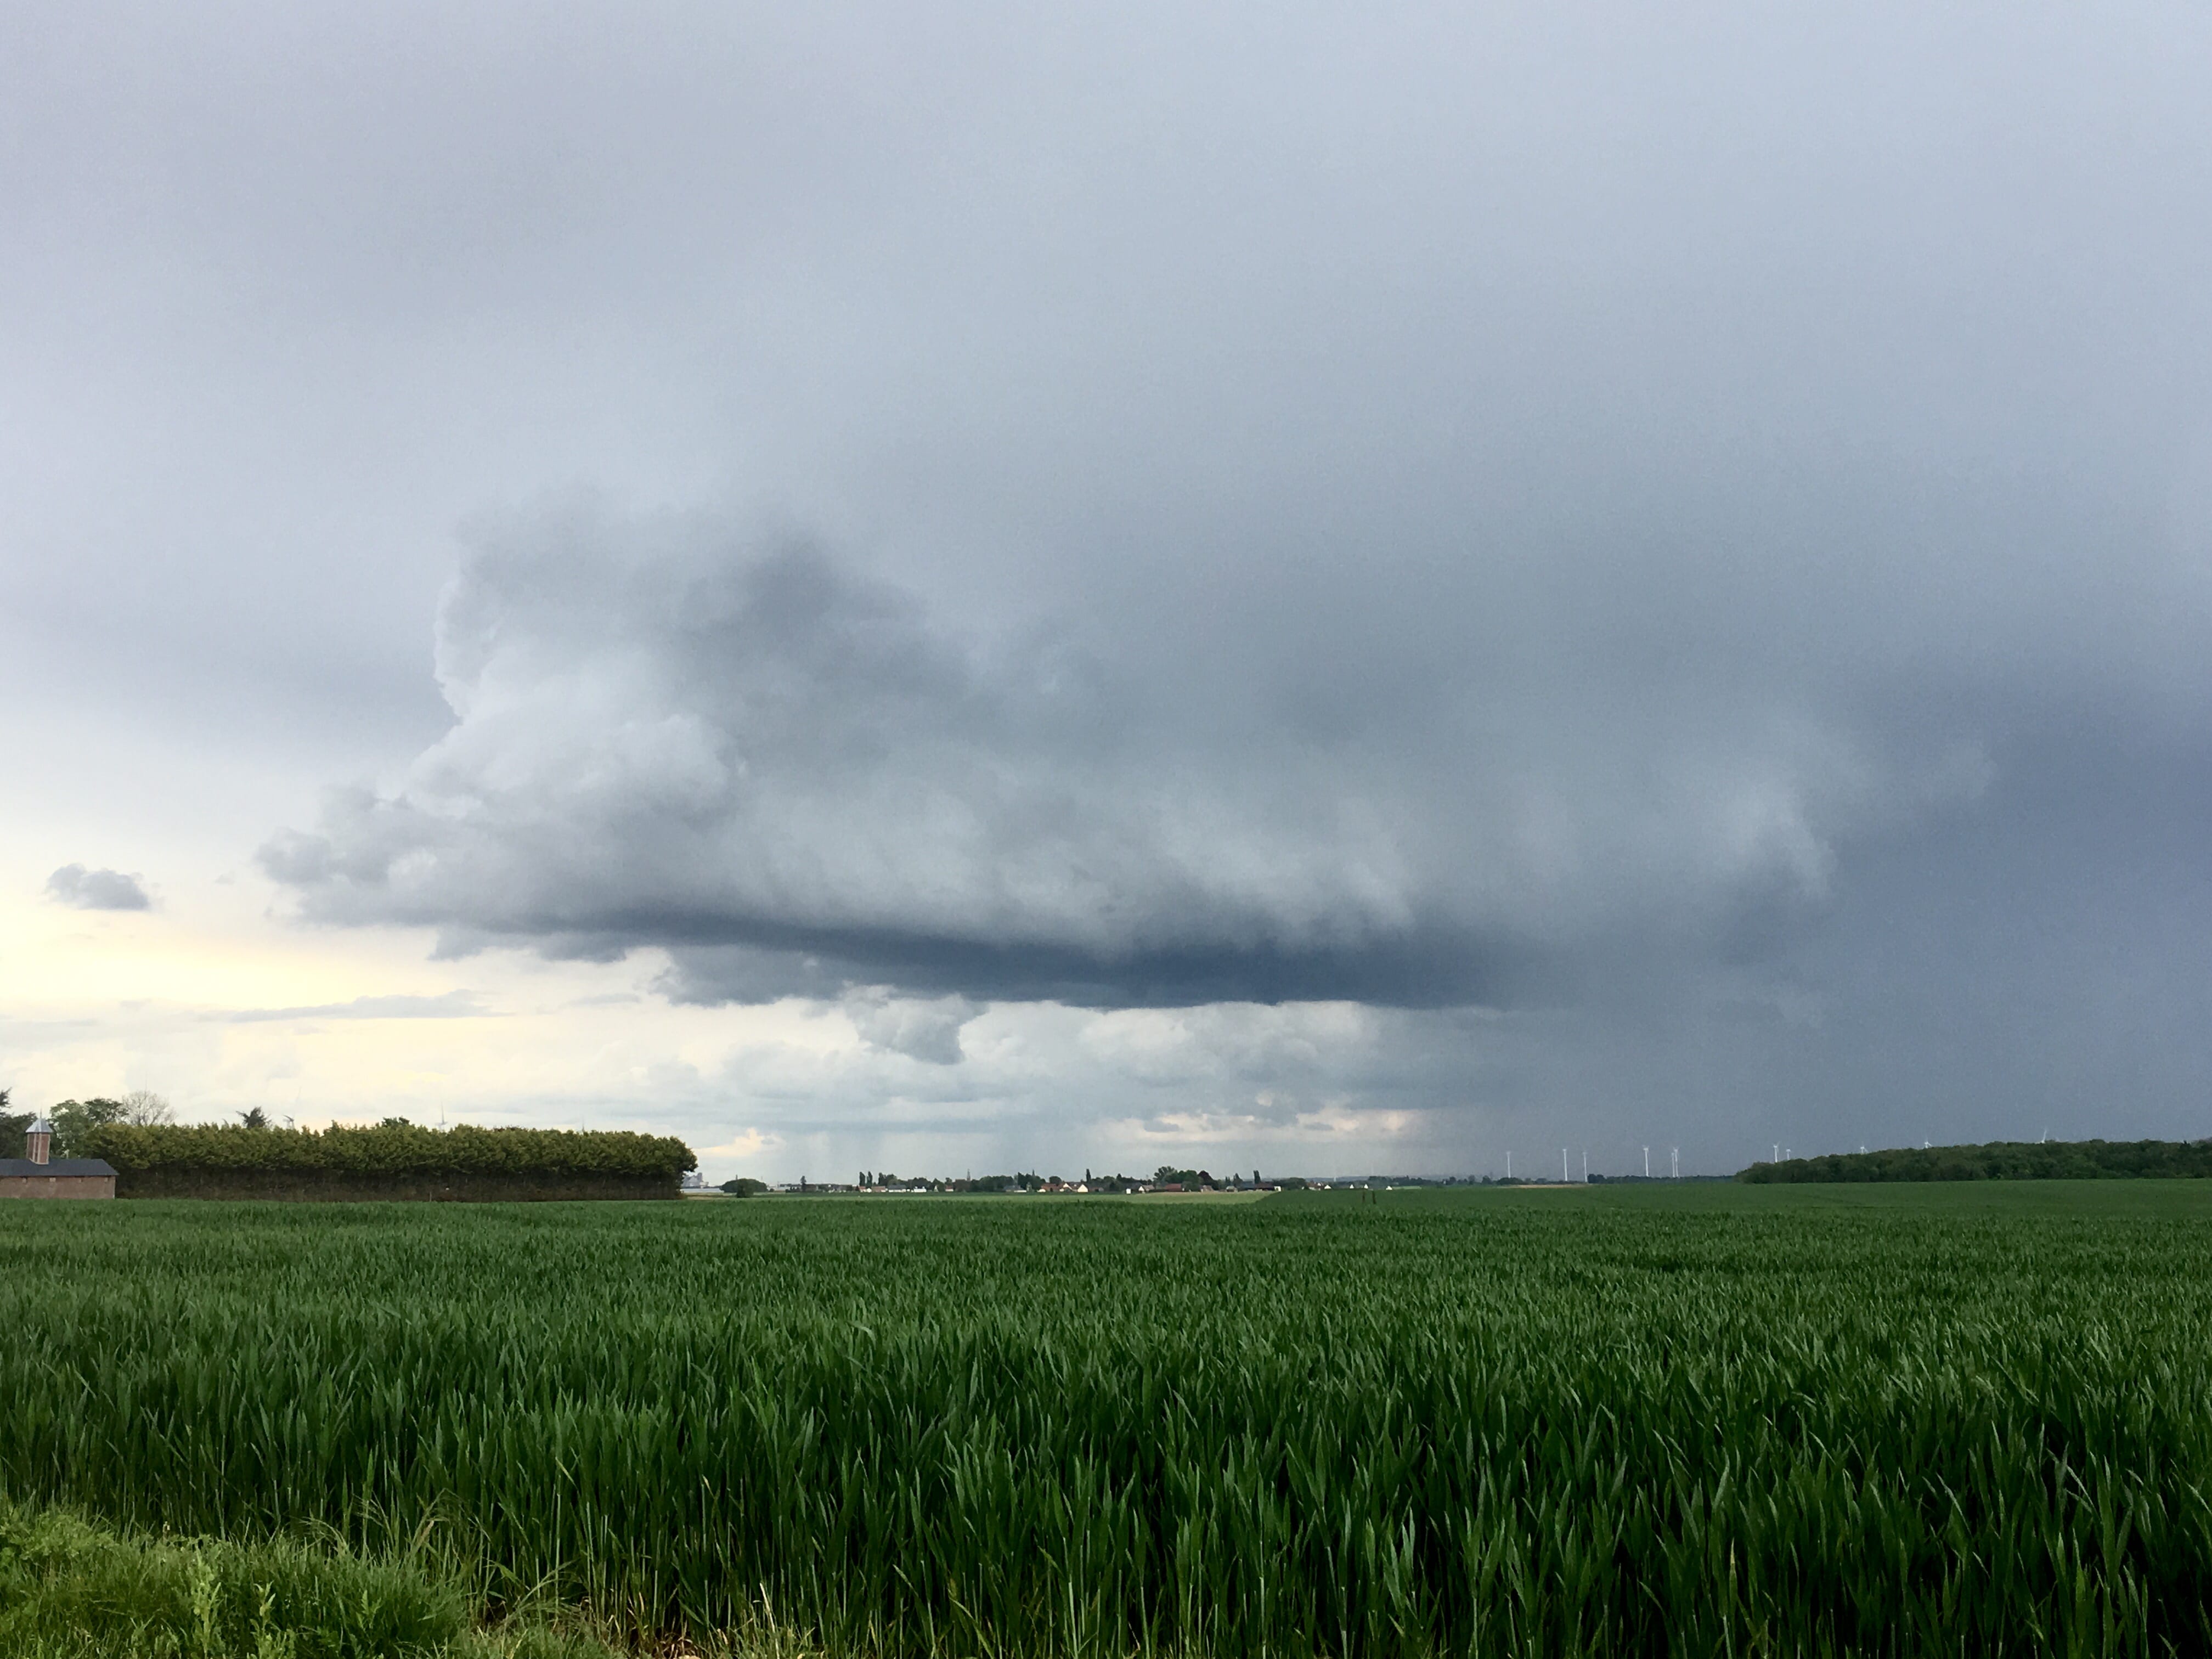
x,y
79,1167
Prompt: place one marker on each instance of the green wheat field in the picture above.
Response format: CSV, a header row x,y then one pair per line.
x,y
1668,1419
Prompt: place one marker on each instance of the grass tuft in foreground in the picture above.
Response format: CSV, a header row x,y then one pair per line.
x,y
69,1588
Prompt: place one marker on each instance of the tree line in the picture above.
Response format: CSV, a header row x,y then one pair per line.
x,y
75,1120
393,1147
2000,1160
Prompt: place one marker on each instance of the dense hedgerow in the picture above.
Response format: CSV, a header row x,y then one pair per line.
x,y
389,1150
2000,1160
1897,1421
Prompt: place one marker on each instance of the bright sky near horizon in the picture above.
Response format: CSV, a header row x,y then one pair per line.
x,y
1112,585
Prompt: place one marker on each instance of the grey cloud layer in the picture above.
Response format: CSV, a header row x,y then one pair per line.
x,y
1694,521
97,889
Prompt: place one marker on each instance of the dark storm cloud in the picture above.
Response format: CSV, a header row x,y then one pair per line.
x,y
96,890
795,779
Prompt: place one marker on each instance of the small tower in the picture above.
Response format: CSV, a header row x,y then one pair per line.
x,y
38,1141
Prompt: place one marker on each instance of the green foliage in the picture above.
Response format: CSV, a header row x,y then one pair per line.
x,y
2000,1160
12,1128
68,1588
744,1187
1611,1420
391,1148
76,1121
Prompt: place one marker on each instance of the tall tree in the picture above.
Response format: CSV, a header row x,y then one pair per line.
x,y
12,1125
76,1120
143,1107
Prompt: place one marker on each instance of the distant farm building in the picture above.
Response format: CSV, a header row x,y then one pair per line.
x,y
39,1176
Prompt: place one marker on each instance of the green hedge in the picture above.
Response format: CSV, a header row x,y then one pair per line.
x,y
389,1150
2002,1160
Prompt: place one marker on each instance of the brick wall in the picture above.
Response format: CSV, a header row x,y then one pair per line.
x,y
57,1185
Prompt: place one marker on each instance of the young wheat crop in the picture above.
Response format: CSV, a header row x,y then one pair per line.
x,y
1725,1421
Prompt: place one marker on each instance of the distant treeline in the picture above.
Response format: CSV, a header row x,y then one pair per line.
x,y
394,1159
2002,1160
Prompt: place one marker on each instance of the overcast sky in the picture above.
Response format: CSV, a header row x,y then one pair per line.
x,y
1310,586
